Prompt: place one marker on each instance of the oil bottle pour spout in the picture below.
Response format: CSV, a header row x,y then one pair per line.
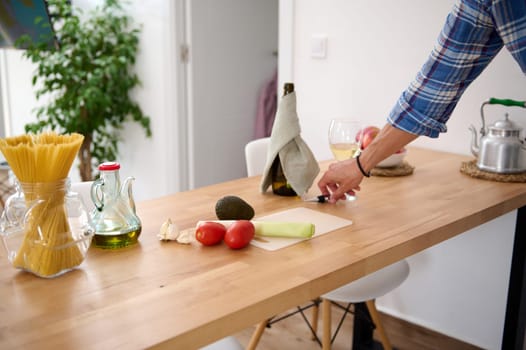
x,y
127,192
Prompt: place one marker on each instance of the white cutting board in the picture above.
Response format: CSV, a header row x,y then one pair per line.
x,y
323,223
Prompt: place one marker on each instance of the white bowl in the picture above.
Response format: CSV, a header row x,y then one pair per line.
x,y
393,160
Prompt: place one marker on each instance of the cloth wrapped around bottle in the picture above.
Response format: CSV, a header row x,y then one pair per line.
x,y
298,163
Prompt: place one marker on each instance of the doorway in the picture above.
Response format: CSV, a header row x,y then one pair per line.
x,y
228,53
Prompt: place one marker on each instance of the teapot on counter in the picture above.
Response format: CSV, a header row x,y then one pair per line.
x,y
501,148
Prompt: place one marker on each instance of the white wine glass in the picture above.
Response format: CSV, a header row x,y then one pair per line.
x,y
345,140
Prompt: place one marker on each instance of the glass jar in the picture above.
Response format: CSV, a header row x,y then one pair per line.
x,y
45,228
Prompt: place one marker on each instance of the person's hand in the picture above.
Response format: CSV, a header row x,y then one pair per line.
x,y
341,178
345,177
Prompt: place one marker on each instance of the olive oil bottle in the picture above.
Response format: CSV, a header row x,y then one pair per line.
x,y
114,218
280,185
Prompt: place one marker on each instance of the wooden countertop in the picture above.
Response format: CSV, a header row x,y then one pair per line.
x,y
167,295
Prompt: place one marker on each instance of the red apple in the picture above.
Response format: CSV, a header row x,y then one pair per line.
x,y
368,135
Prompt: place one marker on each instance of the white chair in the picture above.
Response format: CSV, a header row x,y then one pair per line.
x,y
256,155
227,343
364,290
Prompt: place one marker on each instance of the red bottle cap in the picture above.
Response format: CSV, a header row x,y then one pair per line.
x,y
109,166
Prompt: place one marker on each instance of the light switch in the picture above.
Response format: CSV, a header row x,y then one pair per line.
x,y
318,47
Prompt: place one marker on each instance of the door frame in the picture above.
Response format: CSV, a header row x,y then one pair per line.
x,y
179,110
176,132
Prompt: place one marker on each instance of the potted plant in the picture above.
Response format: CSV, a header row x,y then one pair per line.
x,y
86,78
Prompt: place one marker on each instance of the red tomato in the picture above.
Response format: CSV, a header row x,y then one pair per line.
x,y
210,233
239,234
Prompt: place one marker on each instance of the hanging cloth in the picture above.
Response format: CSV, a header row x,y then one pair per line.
x,y
266,109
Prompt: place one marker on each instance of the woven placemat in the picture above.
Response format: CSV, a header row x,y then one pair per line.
x,y
470,168
400,170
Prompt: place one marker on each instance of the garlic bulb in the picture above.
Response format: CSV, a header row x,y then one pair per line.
x,y
170,232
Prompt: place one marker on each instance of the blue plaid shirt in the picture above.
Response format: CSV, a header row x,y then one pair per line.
x,y
474,32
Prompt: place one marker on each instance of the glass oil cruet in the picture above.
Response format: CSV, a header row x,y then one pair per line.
x,y
115,221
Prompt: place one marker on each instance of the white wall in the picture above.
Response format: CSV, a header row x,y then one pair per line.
x,y
21,100
374,49
459,287
231,48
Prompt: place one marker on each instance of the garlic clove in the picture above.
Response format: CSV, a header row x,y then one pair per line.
x,y
168,231
186,236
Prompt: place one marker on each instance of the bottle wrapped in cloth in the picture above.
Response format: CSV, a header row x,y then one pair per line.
x,y
298,164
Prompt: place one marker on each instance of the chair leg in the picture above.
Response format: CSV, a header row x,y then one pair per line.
x,y
326,316
378,323
254,340
314,321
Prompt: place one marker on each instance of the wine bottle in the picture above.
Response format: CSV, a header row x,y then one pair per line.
x,y
280,185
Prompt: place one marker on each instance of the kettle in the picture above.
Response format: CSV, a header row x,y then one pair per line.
x,y
501,148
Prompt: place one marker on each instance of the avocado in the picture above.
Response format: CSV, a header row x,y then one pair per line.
x,y
233,208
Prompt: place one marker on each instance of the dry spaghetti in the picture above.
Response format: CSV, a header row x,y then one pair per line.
x,y
41,164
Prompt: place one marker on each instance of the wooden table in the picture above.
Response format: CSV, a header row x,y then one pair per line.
x,y
167,295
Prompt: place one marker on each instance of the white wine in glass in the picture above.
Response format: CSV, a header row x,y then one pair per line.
x,y
345,140
342,151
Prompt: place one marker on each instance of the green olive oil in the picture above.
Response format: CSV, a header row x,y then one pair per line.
x,y
116,239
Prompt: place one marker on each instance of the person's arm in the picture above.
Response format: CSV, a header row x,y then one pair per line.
x,y
464,48
387,142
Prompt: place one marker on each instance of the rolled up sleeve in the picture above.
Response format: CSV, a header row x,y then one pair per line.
x,y
466,45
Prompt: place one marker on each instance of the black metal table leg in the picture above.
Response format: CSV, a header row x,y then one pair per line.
x,y
363,328
513,336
